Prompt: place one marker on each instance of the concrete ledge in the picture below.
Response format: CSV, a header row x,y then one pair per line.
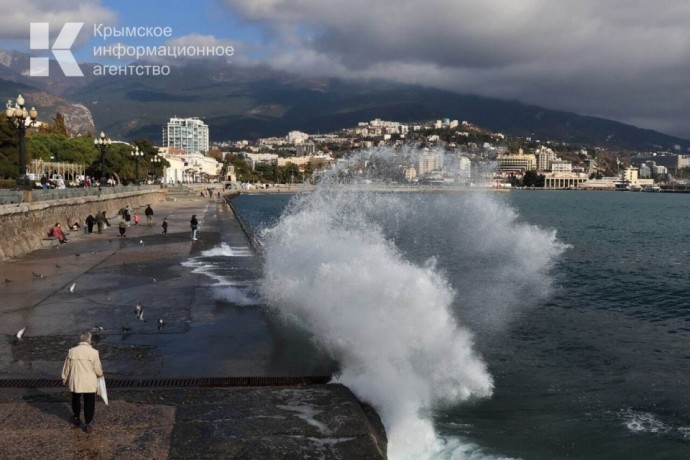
x,y
50,242
318,421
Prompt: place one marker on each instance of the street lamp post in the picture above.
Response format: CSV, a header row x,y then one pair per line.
x,y
21,119
102,143
136,153
154,163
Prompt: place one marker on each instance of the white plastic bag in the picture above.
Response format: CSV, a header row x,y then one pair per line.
x,y
102,390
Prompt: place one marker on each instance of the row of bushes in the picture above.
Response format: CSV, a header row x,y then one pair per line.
x,y
7,183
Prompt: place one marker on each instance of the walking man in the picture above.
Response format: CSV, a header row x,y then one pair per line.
x,y
149,214
195,226
165,226
80,373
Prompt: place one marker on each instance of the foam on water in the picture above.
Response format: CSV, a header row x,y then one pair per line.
x,y
643,422
225,288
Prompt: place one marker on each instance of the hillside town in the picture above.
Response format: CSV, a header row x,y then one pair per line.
x,y
448,153
461,154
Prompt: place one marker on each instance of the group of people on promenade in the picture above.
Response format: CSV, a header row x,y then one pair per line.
x,y
100,222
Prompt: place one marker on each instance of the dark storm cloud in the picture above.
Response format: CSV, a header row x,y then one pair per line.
x,y
616,59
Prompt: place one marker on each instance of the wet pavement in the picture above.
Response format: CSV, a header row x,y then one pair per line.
x,y
215,326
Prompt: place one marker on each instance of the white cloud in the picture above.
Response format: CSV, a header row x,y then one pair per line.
x,y
15,21
610,58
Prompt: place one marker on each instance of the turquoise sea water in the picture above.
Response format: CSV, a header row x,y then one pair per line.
x,y
577,302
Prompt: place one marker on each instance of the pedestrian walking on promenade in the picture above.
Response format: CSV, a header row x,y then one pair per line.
x,y
80,373
165,226
127,214
136,218
100,221
90,221
195,226
149,214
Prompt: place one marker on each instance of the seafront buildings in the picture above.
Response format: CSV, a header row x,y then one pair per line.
x,y
188,134
452,153
185,147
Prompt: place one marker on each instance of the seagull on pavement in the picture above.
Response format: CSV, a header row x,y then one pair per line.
x,y
161,324
71,288
139,311
20,334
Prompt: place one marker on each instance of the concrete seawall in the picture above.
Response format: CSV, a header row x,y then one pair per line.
x,y
25,225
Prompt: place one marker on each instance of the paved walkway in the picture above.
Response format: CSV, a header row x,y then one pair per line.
x,y
211,330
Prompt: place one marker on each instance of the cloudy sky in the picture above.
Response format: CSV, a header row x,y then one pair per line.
x,y
623,60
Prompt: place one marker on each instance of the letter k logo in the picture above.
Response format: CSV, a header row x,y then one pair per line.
x,y
40,40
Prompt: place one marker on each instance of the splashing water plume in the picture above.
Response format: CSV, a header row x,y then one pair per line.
x,y
333,266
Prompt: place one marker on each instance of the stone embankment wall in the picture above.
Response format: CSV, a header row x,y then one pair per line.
x,y
24,226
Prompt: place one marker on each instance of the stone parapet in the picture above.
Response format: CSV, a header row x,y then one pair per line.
x,y
25,225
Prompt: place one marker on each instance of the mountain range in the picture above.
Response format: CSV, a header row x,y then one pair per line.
x,y
249,102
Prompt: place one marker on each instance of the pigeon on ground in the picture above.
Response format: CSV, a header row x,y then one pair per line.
x,y
139,311
154,280
126,330
77,254
20,334
7,280
71,288
37,275
141,242
58,266
161,324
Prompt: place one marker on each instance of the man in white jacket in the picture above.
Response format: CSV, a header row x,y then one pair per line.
x,y
80,373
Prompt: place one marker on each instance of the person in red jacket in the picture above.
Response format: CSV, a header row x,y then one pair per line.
x,y
56,231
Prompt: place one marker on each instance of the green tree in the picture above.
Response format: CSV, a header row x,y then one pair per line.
x,y
58,126
9,153
530,179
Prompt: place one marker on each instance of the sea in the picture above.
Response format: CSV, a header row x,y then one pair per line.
x,y
483,324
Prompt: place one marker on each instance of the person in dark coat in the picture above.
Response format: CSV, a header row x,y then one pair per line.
x,y
165,226
195,226
127,214
90,222
149,214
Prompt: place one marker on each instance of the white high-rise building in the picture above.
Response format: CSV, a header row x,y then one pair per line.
x,y
188,134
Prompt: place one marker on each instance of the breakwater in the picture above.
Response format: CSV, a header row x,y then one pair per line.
x,y
25,225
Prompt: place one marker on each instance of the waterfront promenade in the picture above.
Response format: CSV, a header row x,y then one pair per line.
x,y
204,336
